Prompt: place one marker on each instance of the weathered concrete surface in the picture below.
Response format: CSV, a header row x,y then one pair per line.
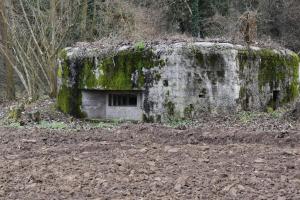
x,y
95,105
181,80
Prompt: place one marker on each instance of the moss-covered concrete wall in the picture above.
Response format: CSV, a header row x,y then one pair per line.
x,y
124,69
265,71
121,71
69,94
181,80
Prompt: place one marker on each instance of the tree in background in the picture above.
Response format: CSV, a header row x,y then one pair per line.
x,y
248,27
39,29
195,18
280,21
88,19
7,54
37,33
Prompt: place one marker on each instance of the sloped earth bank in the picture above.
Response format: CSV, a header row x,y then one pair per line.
x,y
216,160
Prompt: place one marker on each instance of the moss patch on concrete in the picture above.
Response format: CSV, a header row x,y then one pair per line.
x,y
199,56
69,96
212,62
170,108
188,111
69,101
123,71
63,99
273,68
244,58
277,71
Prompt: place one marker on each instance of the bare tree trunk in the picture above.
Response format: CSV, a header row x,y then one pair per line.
x,y
51,57
195,18
94,17
10,85
84,18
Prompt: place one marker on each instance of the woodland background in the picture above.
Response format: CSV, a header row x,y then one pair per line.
x,y
32,32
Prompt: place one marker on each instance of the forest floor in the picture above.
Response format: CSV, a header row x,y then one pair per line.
x,y
247,156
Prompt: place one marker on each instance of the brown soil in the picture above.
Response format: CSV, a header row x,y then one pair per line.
x,y
217,160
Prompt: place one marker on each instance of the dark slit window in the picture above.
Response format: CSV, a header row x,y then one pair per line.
x,y
122,100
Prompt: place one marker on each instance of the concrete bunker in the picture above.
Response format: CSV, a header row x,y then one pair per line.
x,y
174,81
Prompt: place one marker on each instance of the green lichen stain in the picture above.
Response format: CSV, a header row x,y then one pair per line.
x,y
64,98
199,56
116,72
272,69
87,75
157,77
170,108
158,118
276,70
243,92
211,60
243,58
69,101
188,111
63,71
62,55
64,93
246,57
59,72
214,60
244,98
292,92
69,97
